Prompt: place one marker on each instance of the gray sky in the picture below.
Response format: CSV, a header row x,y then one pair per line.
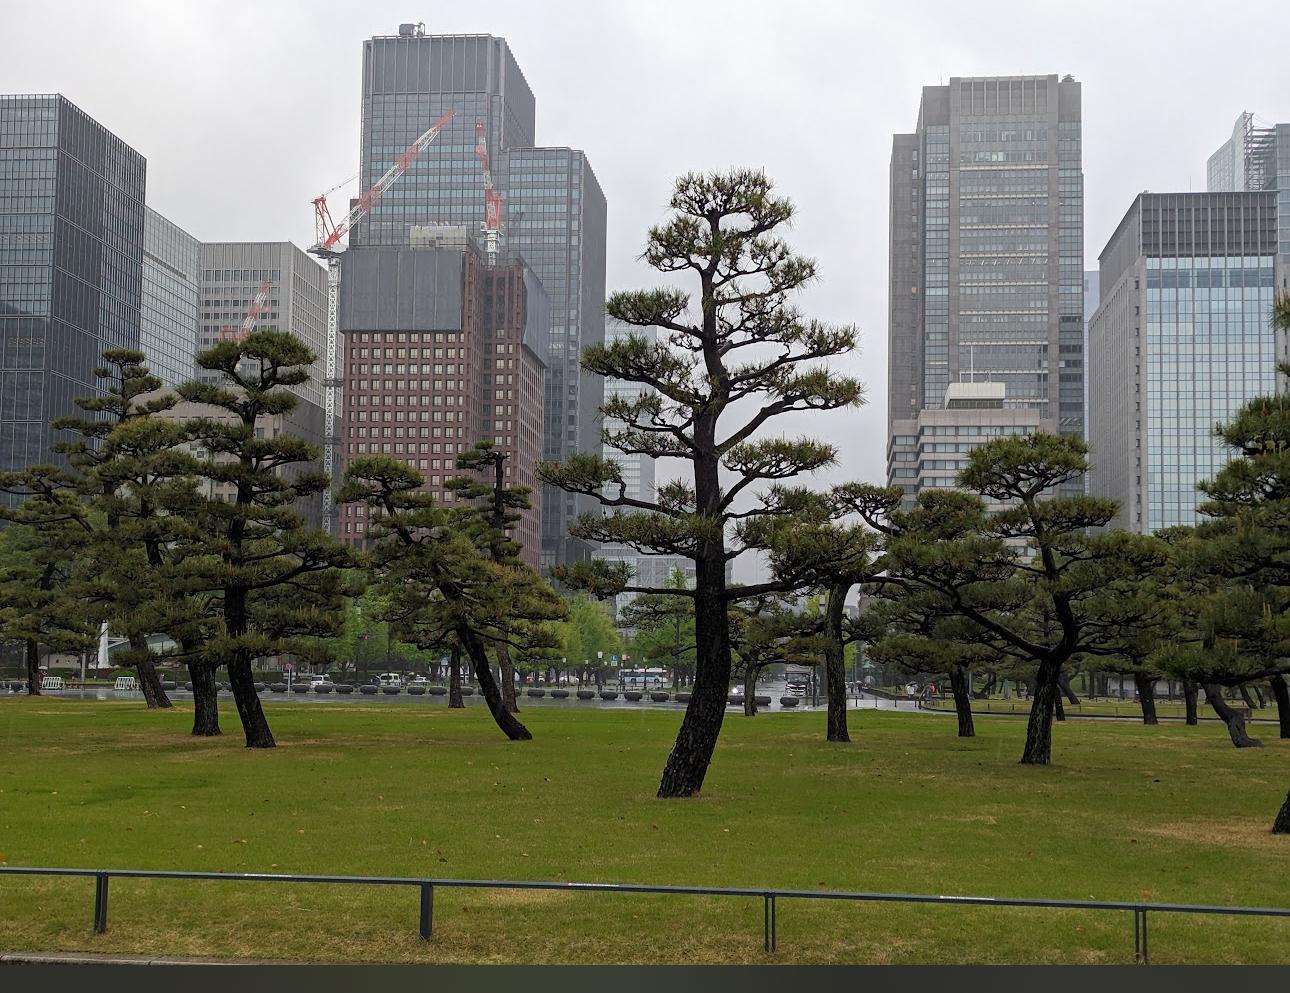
x,y
246,110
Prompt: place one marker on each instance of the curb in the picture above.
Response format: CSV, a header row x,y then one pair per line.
x,y
89,958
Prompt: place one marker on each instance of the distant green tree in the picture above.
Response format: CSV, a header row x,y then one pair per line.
x,y
664,625
39,552
277,582
595,639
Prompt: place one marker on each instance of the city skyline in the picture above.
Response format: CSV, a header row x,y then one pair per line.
x,y
293,105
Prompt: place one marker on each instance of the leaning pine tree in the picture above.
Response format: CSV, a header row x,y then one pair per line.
x,y
274,580
728,360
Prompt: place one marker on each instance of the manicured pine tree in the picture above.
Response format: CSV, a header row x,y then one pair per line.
x,y
729,361
275,580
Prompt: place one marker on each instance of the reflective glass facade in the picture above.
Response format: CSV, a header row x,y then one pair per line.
x,y
171,292
71,263
1210,348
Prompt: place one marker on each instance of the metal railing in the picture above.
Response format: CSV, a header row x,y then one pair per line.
x,y
769,897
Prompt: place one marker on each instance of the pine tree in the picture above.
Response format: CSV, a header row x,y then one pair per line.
x,y
276,580
434,566
726,366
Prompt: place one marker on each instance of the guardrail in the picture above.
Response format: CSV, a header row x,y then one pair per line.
x,y
769,897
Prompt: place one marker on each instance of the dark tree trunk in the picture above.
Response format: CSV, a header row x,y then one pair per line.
x,y
1189,700
687,764
508,675
962,701
1282,824
488,688
1234,721
1059,711
31,651
1258,695
1039,729
455,700
255,725
153,693
205,701
1146,696
750,690
1064,681
1282,695
1248,700
835,666
984,693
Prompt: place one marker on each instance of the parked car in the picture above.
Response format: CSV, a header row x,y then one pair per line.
x,y
389,679
419,681
317,677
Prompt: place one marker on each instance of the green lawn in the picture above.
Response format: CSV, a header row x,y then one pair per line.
x,y
1110,708
1167,814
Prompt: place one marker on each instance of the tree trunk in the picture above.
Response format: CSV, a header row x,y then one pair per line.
x,y
750,690
984,693
835,671
962,701
1282,824
1258,695
254,724
508,675
31,650
1189,700
687,764
1039,729
455,701
1059,711
1064,681
1234,721
488,688
205,701
1146,696
1282,696
1246,698
153,694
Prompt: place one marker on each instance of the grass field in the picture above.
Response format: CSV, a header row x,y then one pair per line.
x,y
1109,708
1166,814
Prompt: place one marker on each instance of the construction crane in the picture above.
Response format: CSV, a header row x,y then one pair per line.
x,y
329,248
492,199
252,315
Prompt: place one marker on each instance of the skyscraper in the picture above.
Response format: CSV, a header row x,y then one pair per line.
x,y
986,256
71,248
1181,340
1255,158
232,275
553,209
171,299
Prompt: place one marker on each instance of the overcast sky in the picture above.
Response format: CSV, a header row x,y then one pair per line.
x,y
247,110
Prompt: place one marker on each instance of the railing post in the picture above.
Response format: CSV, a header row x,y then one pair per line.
x,y
100,902
427,910
765,921
1141,953
1146,955
774,937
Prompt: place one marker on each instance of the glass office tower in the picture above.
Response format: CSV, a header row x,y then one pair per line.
x,y
171,294
71,263
987,223
1181,340
553,209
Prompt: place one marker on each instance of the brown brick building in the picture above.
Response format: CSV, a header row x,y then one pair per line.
x,y
441,351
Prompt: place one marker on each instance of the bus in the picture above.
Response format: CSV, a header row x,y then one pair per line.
x,y
642,679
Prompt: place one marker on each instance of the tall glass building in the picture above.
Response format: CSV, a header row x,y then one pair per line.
x,y
171,294
1181,339
71,263
986,253
553,208
1256,157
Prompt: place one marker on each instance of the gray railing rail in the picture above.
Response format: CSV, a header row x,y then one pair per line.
x,y
768,897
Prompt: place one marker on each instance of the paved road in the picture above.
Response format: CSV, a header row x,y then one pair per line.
x,y
404,698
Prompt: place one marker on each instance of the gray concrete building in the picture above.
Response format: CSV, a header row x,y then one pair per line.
x,y
554,212
1181,339
71,263
232,274
986,254
171,299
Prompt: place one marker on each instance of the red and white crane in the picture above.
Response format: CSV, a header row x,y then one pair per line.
x,y
492,199
252,316
329,247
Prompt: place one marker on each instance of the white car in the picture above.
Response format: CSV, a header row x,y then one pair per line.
x,y
389,679
318,677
